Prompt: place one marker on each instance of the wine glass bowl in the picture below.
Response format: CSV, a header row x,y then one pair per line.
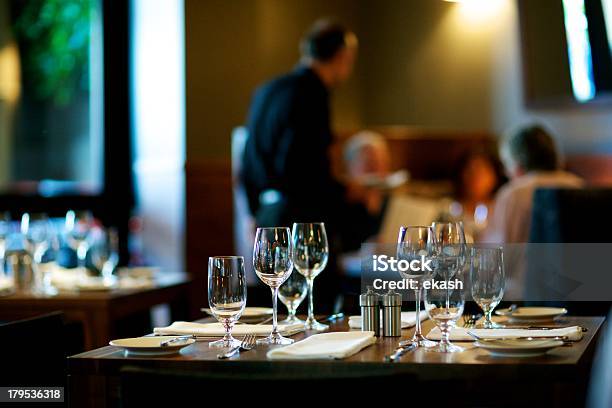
x,y
487,280
227,293
311,254
273,264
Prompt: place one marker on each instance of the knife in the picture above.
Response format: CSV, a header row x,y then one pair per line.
x,y
399,352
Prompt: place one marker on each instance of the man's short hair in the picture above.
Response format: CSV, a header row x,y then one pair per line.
x,y
323,40
533,148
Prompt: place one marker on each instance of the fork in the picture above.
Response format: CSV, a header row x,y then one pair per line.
x,y
248,342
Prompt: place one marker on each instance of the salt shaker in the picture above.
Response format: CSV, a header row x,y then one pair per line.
x,y
370,311
392,314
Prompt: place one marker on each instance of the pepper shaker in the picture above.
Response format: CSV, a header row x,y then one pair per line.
x,y
392,314
370,311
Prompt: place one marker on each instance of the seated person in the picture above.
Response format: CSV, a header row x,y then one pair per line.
x,y
531,161
478,177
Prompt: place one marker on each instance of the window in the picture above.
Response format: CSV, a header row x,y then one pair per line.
x,y
51,96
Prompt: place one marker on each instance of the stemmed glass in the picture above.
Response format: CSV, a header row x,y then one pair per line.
x,y
412,243
78,225
444,302
105,253
273,264
310,256
487,279
292,293
36,230
227,293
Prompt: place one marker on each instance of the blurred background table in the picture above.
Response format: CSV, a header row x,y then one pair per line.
x,y
560,377
105,314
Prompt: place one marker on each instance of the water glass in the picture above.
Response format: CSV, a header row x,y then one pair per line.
x,y
487,280
273,264
311,253
444,301
78,225
227,293
292,293
414,242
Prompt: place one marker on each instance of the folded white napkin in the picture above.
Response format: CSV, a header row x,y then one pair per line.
x,y
573,333
217,329
335,345
408,320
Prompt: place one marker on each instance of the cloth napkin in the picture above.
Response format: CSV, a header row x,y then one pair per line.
x,y
573,333
217,329
408,320
335,345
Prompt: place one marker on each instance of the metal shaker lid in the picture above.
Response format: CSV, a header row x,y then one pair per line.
x,y
392,298
370,298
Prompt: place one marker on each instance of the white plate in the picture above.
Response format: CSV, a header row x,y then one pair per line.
x,y
533,314
150,345
518,348
250,312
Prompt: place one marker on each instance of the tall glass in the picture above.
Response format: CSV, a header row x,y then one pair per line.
x,y
444,301
487,280
292,293
311,253
413,243
273,264
227,293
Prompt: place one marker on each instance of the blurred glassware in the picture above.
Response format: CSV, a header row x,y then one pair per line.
x,y
412,243
104,252
227,294
292,293
78,224
273,264
36,229
5,229
310,256
487,280
451,247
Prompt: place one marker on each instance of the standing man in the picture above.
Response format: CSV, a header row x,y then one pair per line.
x,y
286,169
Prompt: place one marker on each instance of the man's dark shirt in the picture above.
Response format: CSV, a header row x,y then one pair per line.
x,y
287,151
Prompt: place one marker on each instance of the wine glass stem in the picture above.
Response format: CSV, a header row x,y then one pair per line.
x,y
274,317
228,325
292,310
445,337
310,299
417,296
487,313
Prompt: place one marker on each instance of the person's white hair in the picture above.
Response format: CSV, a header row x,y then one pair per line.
x,y
361,140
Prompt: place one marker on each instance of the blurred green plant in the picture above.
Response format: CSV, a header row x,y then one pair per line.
x,y
56,36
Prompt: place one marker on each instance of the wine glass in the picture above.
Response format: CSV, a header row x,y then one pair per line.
x,y
227,293
37,232
487,279
273,264
292,293
5,230
78,224
444,301
414,242
451,247
105,252
310,255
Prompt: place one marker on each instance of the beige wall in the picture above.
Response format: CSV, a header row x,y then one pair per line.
x,y
422,62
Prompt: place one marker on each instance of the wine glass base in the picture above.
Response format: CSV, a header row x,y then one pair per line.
x,y
225,343
492,325
423,342
293,320
275,339
446,348
312,324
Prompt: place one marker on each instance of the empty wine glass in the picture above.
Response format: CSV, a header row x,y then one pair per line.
x,y
273,264
444,301
412,243
37,231
105,252
311,253
78,224
292,293
451,247
227,293
487,280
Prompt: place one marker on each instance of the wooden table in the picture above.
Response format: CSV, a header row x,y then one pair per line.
x,y
563,371
99,312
